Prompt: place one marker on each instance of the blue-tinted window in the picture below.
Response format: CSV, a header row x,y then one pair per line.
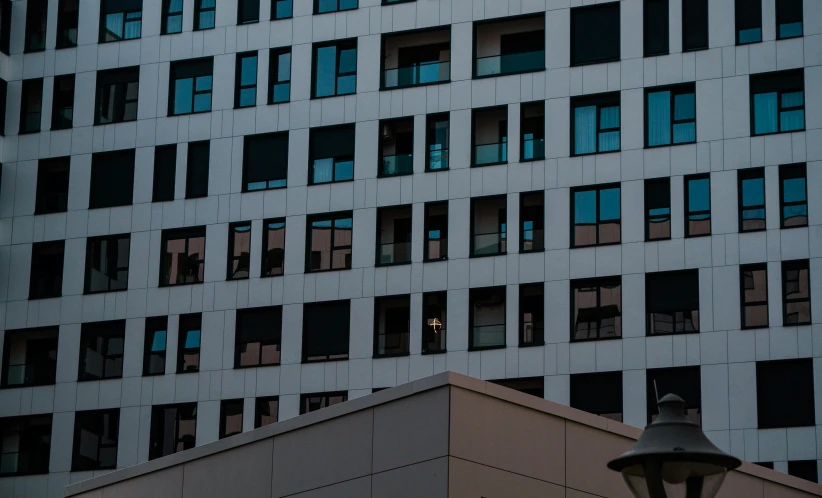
x,y
331,154
793,196
778,101
788,19
279,76
596,124
204,11
697,205
245,90
190,84
281,9
751,200
748,21
671,116
596,216
172,16
120,20
323,6
335,69
329,242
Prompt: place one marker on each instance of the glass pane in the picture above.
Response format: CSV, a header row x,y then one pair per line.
x,y
794,99
585,207
208,4
790,30
348,4
659,118
685,106
284,67
795,215
752,35
114,26
344,170
753,192
699,195
765,110
609,118
248,71
585,132
158,343
684,133
183,90
282,92
323,170
174,24
206,20
248,97
348,60
793,190
203,83
192,339
346,85
609,208
326,69
609,141
283,9
326,6
792,120
202,102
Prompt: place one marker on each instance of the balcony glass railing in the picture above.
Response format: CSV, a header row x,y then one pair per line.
x,y
418,74
490,153
437,159
533,148
489,243
395,252
400,164
496,65
31,374
485,336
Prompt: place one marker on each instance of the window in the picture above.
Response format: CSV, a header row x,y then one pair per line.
x,y
754,290
489,226
532,219
120,20
30,357
188,343
490,136
25,445
694,25
31,105
416,58
804,469
535,386
788,21
266,411
68,15
273,257
396,147
62,110
596,124
107,263
154,349
173,429
487,318
596,216
165,172
3,89
313,402
112,179
281,9
257,337
784,393
248,11
331,154
670,115
598,393
182,256
436,231
751,188
46,279
748,21
393,235
509,47
682,381
279,75
655,27
245,84
329,242
532,314
52,185
204,11
173,16
796,293
239,250
36,14
658,209
323,6
101,350
672,302
265,161
597,308
793,196
95,440
326,328
434,318
190,86
5,25
335,67
532,128
392,325
197,169
437,126
697,205
602,19
778,102
231,417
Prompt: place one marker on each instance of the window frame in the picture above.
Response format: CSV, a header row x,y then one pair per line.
x,y
598,188
152,326
59,122
178,234
50,367
41,425
744,175
687,186
64,25
574,12
523,197
273,16
232,232
795,265
739,7
685,26
599,101
430,136
157,194
427,232
476,114
317,12
198,10
111,81
331,217
787,85
791,172
157,428
167,15
249,159
337,159
126,12
273,73
38,272
779,22
539,335
378,244
189,322
674,90
241,6
405,345
647,25
33,28
112,246
238,78
522,121
49,173
118,165
322,305
685,372
114,420
258,413
276,340
197,168
264,259
599,283
472,298
502,243
326,400
191,66
340,46
766,420
656,182
31,87
104,331
233,404
743,269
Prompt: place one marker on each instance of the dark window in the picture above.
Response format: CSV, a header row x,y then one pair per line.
x,y
266,411
672,302
748,21
112,179
326,328
753,280
487,318
531,314
784,393
396,147
265,161
435,314
3,92
532,128
804,469
413,59
273,256
777,102
313,402
52,185
655,22
437,137
5,25
597,308
436,231
95,440
682,381
68,16
329,242
392,325
489,226
120,20
46,279
30,357
257,337
31,105
154,349
36,14
670,115
751,191
694,25
796,292
323,6
245,81
188,343
190,86
107,263
331,154
279,75
595,124
165,172
393,235
183,256
793,196
281,9
231,417
598,393
204,11
239,250
601,19
248,11
535,386
532,220
489,136
335,68
697,205
658,209
173,16
101,350
173,429
62,110
596,216
25,445
197,169
767,465
509,47
789,23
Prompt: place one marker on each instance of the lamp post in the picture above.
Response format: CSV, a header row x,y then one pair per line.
x,y
673,458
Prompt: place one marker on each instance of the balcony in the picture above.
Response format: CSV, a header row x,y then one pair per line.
x,y
499,65
416,59
393,235
487,318
488,226
532,127
490,136
396,147
509,47
424,73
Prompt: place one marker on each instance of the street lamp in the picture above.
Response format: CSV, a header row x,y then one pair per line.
x,y
673,458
